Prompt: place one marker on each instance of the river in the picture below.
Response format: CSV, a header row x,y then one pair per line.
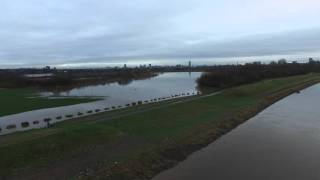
x,y
280,143
114,95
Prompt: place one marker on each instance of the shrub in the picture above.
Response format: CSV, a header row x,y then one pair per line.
x,y
69,116
25,124
47,119
12,126
36,122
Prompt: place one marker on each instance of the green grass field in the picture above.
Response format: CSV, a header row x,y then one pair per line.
x,y
14,101
98,142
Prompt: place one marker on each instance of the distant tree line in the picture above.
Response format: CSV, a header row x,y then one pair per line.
x,y
233,75
69,78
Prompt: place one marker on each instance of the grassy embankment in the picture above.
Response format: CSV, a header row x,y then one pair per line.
x,y
14,101
137,146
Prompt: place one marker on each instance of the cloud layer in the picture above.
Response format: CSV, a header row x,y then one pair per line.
x,y
62,32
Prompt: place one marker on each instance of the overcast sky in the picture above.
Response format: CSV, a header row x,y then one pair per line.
x,y
68,32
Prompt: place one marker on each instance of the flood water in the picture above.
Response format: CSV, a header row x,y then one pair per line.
x,y
163,85
281,143
114,95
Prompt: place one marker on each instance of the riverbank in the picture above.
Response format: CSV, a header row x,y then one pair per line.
x,y
281,142
139,142
14,101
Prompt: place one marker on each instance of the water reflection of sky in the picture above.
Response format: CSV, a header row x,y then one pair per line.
x,y
163,85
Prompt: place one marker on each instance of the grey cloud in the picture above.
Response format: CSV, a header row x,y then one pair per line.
x,y
38,32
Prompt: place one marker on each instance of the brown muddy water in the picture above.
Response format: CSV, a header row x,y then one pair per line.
x,y
280,143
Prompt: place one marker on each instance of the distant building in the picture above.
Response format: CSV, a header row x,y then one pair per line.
x,y
125,66
189,64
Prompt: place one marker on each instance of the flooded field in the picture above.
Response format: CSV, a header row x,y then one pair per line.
x,y
163,85
281,142
115,96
